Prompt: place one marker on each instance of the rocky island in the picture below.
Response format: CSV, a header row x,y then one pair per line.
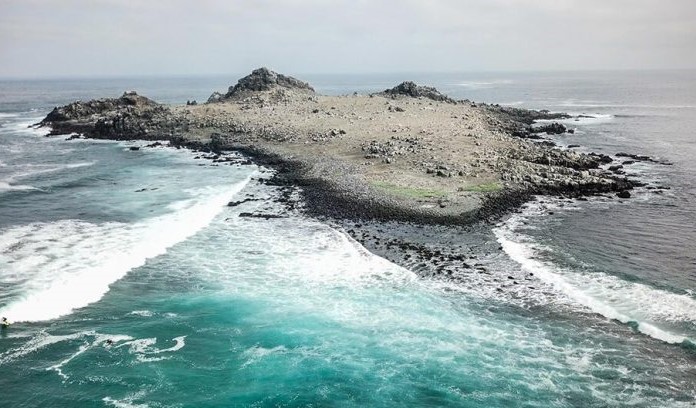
x,y
408,153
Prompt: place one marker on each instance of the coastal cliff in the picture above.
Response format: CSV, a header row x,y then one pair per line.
x,y
407,153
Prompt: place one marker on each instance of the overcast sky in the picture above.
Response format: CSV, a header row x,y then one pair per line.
x,y
49,38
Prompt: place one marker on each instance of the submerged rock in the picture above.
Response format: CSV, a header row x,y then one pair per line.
x,y
554,128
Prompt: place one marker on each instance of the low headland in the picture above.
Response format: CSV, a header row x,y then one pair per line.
x,y
408,153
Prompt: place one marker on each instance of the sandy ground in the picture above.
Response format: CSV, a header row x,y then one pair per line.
x,y
434,155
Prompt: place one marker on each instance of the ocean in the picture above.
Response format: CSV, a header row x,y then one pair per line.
x,y
131,283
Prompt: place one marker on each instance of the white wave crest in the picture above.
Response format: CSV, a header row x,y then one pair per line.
x,y
127,402
68,264
29,170
628,302
601,104
6,186
144,348
484,84
44,339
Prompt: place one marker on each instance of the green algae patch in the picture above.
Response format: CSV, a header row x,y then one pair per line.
x,y
484,187
409,192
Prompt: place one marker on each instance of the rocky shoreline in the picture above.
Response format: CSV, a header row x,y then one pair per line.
x,y
408,153
407,172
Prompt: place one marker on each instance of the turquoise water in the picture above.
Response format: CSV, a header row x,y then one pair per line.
x,y
132,284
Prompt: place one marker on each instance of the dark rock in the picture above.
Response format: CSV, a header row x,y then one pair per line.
x,y
134,148
643,158
262,79
623,194
260,215
603,158
409,88
78,109
215,97
554,128
126,118
523,116
633,156
246,200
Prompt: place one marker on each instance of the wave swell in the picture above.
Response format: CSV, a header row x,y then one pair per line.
x,y
654,312
68,264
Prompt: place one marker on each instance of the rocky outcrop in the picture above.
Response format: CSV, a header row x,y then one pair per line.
x,y
261,80
128,117
409,88
518,122
554,128
643,158
215,97
81,110
524,116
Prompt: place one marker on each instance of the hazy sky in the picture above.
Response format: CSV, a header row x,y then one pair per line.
x,y
122,37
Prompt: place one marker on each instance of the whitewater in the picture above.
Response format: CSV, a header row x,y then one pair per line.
x,y
130,281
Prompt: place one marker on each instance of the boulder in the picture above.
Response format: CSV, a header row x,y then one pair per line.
x,y
215,97
554,128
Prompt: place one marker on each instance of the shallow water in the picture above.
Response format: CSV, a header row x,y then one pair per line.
x,y
133,284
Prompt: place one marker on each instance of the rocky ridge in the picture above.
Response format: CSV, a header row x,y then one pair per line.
x,y
260,80
409,88
130,116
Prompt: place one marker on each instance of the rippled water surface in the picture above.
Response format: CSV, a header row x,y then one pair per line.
x,y
131,283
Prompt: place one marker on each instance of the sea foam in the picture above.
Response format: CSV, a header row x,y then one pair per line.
x,y
648,309
68,264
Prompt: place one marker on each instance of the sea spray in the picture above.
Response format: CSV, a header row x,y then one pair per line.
x,y
72,263
644,308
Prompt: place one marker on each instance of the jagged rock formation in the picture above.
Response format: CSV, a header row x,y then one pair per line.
x,y
260,80
409,88
79,110
129,116
518,122
215,97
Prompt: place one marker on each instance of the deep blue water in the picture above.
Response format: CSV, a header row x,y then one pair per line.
x,y
203,308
